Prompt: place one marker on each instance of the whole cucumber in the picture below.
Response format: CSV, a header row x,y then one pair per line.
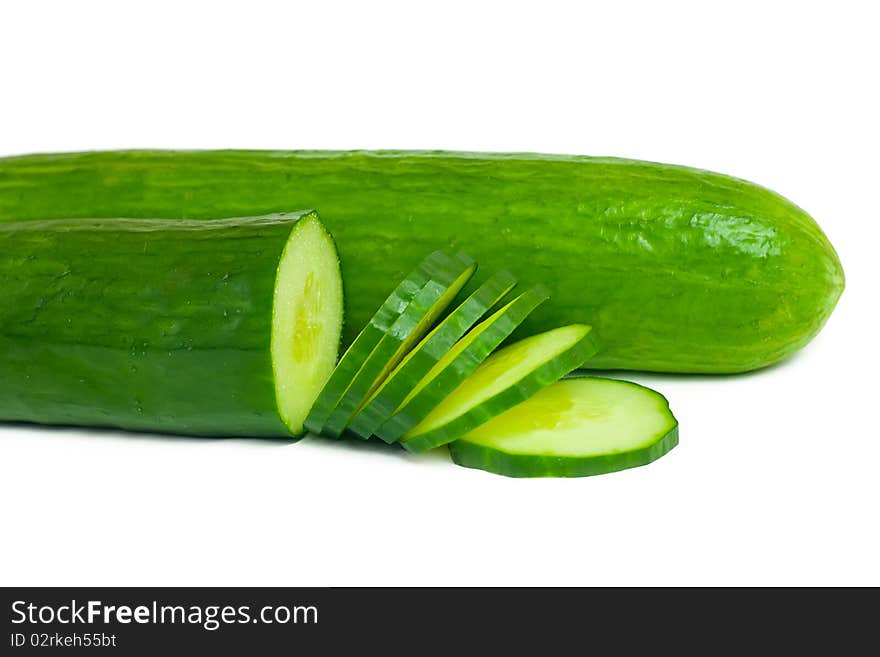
x,y
677,269
189,327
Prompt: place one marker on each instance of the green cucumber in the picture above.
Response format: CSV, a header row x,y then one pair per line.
x,y
678,269
424,356
459,363
380,323
227,327
416,319
577,427
507,378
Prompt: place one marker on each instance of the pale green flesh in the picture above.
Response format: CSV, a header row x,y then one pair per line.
x,y
306,322
500,371
579,417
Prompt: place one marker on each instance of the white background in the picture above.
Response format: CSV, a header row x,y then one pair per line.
x,y
776,478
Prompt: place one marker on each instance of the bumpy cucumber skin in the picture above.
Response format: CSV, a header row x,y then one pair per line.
x,y
425,356
417,309
481,457
417,408
545,375
143,325
678,269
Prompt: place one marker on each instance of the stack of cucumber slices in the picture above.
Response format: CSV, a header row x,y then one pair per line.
x,y
423,377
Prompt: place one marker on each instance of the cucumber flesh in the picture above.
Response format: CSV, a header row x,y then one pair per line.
x,y
416,319
356,354
576,427
306,321
418,362
459,363
507,378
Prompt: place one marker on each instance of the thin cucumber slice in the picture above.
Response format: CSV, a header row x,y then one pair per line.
x,y
507,378
418,362
577,427
412,324
459,363
359,350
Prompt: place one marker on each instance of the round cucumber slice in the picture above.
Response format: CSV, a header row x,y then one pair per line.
x,y
507,378
359,350
577,427
411,325
418,362
459,363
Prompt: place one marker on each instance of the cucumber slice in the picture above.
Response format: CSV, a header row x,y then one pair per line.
x,y
576,427
459,363
416,319
507,378
356,354
418,362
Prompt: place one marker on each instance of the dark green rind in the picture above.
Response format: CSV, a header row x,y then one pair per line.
x,y
547,373
358,352
677,269
429,352
423,303
139,324
408,416
471,455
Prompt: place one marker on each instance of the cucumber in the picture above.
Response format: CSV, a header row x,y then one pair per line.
x,y
227,327
577,427
416,319
418,362
678,269
435,264
459,363
507,378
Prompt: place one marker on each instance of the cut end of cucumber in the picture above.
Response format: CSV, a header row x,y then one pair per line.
x,y
307,319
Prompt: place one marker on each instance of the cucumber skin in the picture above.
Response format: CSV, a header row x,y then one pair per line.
x,y
143,325
471,455
677,269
